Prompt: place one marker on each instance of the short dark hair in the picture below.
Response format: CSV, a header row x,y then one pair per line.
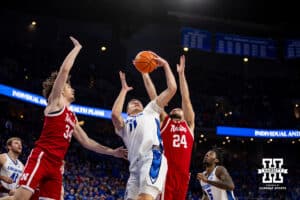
x,y
219,154
49,82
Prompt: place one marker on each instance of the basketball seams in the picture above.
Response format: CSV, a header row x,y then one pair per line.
x,y
145,62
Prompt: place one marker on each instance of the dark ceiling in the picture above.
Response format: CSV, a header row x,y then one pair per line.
x,y
282,14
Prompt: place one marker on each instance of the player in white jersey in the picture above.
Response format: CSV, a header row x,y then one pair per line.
x,y
141,135
11,167
215,181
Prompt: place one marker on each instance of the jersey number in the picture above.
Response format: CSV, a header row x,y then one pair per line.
x,y
178,141
14,177
68,133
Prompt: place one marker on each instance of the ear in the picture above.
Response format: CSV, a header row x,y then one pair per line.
x,y
217,160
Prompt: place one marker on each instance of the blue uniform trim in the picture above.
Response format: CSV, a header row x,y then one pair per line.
x,y
229,195
155,166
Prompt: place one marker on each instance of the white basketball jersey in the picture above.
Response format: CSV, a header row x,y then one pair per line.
x,y
12,169
141,132
215,193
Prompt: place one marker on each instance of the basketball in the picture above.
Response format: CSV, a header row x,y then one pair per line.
x,y
145,62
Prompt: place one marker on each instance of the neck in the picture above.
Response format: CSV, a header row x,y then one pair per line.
x,y
66,102
209,169
13,155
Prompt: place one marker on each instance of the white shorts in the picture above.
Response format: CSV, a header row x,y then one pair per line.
x,y
147,176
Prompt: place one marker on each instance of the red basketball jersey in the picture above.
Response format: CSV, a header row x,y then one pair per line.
x,y
178,144
57,133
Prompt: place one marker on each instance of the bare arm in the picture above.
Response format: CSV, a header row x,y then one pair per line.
x,y
165,96
63,73
187,107
150,88
225,182
92,145
6,179
119,103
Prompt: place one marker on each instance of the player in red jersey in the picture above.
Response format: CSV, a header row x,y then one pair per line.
x,y
177,131
43,167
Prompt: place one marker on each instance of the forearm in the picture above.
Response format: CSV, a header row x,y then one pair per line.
x,y
98,148
221,184
184,89
69,60
171,83
2,178
119,103
149,86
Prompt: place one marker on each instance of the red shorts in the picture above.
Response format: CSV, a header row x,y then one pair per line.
x,y
44,172
176,185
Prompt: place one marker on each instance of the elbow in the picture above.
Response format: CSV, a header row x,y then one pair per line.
x,y
114,115
173,88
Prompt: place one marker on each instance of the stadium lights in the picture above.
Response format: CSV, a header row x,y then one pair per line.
x,y
186,49
103,48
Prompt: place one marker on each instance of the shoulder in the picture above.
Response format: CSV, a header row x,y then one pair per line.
x,y
2,158
220,170
152,106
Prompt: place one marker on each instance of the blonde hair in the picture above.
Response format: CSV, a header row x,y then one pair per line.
x,y
10,140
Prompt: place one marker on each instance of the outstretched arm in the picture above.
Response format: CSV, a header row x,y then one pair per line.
x,y
63,73
187,107
225,182
119,103
92,145
165,96
150,88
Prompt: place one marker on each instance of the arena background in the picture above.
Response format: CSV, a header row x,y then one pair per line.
x,y
225,90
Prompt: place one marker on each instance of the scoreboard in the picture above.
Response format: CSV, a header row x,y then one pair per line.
x,y
245,46
196,39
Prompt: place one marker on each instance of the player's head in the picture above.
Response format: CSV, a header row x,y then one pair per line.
x,y
134,106
213,157
68,91
176,114
14,145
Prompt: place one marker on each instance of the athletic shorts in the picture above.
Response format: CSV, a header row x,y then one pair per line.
x,y
43,172
147,175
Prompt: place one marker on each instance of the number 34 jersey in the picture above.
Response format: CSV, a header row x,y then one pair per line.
x,y
178,144
57,133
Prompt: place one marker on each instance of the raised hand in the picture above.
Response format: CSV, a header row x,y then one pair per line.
x,y
202,177
75,42
181,65
124,83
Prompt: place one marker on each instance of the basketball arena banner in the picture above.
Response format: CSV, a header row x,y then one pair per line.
x,y
41,101
252,132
